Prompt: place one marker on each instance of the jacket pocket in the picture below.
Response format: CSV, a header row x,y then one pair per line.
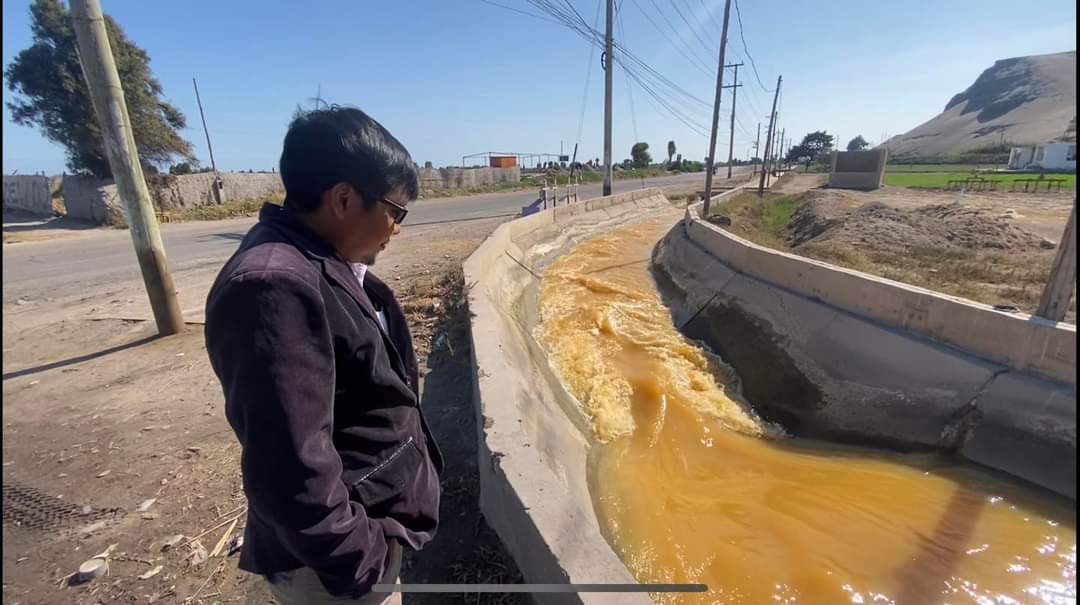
x,y
382,485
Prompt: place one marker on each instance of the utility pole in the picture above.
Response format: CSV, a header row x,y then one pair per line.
x,y
757,145
1054,302
609,70
734,86
107,96
216,185
716,110
780,149
768,137
213,166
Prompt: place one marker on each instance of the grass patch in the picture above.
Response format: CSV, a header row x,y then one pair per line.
x,y
762,220
940,180
971,168
777,213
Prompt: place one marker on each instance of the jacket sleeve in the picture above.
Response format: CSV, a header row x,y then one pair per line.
x,y
270,344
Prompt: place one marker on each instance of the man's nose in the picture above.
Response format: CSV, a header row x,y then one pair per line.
x,y
397,228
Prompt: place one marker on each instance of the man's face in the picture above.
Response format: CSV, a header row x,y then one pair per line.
x,y
367,231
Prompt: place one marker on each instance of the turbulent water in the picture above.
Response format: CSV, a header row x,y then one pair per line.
x,y
691,487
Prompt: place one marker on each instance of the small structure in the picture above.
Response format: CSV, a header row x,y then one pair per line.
x,y
503,161
858,169
1052,156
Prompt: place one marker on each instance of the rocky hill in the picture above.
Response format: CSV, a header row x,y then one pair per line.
x,y
1023,100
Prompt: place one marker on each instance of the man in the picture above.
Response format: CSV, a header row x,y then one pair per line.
x,y
319,374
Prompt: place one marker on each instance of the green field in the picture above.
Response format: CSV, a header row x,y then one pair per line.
x,y
939,167
940,180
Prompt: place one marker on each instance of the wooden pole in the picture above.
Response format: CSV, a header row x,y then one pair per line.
x,y
213,165
1054,302
731,135
216,185
107,96
768,139
716,111
609,70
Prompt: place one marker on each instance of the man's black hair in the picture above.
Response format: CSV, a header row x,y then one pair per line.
x,y
331,145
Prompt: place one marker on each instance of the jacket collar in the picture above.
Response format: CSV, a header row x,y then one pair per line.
x,y
334,268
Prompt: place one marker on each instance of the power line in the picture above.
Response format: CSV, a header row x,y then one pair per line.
x,y
649,79
588,75
742,36
629,86
517,10
679,12
689,54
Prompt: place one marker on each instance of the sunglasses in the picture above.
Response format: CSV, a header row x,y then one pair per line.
x,y
400,212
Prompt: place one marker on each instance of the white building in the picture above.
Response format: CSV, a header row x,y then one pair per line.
x,y
1045,156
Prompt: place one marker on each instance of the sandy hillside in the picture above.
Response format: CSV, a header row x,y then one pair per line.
x,y
1028,99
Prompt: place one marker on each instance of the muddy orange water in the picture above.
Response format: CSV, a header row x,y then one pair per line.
x,y
690,487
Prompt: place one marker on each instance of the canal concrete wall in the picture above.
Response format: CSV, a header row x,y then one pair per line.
x,y
838,354
534,440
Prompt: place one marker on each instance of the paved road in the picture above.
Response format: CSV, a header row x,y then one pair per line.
x,y
35,270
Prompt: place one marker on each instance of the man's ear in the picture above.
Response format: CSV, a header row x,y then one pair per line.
x,y
338,199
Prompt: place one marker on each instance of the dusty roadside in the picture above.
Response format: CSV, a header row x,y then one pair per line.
x,y
101,420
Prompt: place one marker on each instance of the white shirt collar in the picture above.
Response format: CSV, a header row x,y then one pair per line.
x,y
359,270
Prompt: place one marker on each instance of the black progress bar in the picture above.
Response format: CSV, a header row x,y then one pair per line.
x,y
508,588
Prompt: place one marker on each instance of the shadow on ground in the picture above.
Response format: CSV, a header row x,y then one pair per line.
x,y
18,222
465,550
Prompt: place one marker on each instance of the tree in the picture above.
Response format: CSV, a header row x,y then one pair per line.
x,y
814,147
184,168
640,155
52,95
670,151
857,144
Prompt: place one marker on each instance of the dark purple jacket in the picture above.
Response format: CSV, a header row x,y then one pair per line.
x,y
336,455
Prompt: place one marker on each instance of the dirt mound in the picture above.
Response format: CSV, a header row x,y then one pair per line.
x,y
823,219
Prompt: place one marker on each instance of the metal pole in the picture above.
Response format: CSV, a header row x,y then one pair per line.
x,y
716,110
1054,302
731,135
609,69
107,96
768,137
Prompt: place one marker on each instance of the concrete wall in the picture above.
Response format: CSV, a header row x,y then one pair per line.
x,y
193,190
858,169
29,193
97,201
1016,340
466,178
837,354
92,200
534,440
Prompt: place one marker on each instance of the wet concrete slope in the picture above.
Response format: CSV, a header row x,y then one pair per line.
x,y
840,355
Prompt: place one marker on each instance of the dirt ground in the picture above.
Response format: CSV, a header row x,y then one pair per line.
x,y
115,437
991,247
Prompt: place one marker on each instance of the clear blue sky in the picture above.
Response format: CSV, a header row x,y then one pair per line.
x,y
450,78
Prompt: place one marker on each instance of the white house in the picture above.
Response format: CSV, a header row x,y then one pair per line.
x,y
1044,156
